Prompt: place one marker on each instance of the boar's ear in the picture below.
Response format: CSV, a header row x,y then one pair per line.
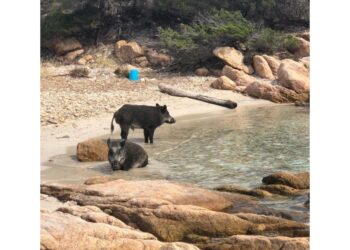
x,y
164,108
122,143
108,141
157,105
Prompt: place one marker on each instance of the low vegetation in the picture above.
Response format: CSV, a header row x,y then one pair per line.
x,y
192,45
79,72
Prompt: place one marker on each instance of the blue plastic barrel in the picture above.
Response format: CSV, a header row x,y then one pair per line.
x,y
134,75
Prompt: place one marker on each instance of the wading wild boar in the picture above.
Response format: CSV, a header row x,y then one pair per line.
x,y
140,116
123,155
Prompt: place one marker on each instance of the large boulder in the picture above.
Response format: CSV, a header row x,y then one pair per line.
x,y
238,76
128,52
62,47
92,150
262,68
223,82
254,242
273,62
294,75
298,181
118,46
303,48
89,228
232,57
274,93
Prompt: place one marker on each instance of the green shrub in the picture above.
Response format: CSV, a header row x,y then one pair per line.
x,y
290,43
266,41
270,41
193,44
60,24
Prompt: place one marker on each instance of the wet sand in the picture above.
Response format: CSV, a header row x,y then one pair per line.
x,y
55,139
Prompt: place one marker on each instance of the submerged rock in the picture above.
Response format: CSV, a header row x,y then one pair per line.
x,y
240,190
297,181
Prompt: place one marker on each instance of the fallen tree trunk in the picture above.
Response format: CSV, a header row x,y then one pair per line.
x,y
182,93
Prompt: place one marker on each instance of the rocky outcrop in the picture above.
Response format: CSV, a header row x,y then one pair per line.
x,y
127,193
232,57
171,211
92,150
89,228
293,75
245,242
262,68
297,181
238,76
274,93
175,222
273,62
62,47
223,82
202,71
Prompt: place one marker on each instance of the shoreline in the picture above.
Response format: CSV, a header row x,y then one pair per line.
x,y
55,139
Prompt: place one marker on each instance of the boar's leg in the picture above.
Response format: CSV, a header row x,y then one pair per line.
x,y
151,133
146,134
124,131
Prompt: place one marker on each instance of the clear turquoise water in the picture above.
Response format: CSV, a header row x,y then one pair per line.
x,y
231,147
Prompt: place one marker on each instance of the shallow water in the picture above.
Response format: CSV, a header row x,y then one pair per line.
x,y
231,147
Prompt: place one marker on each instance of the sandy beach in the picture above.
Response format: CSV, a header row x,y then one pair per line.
x,y
93,122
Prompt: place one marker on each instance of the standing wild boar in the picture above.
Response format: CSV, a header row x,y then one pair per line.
x,y
123,155
140,116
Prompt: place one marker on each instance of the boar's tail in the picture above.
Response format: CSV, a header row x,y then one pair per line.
x,y
112,126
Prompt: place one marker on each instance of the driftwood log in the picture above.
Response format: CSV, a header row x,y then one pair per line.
x,y
182,93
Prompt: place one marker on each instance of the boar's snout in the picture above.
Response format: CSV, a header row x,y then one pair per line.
x,y
170,120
